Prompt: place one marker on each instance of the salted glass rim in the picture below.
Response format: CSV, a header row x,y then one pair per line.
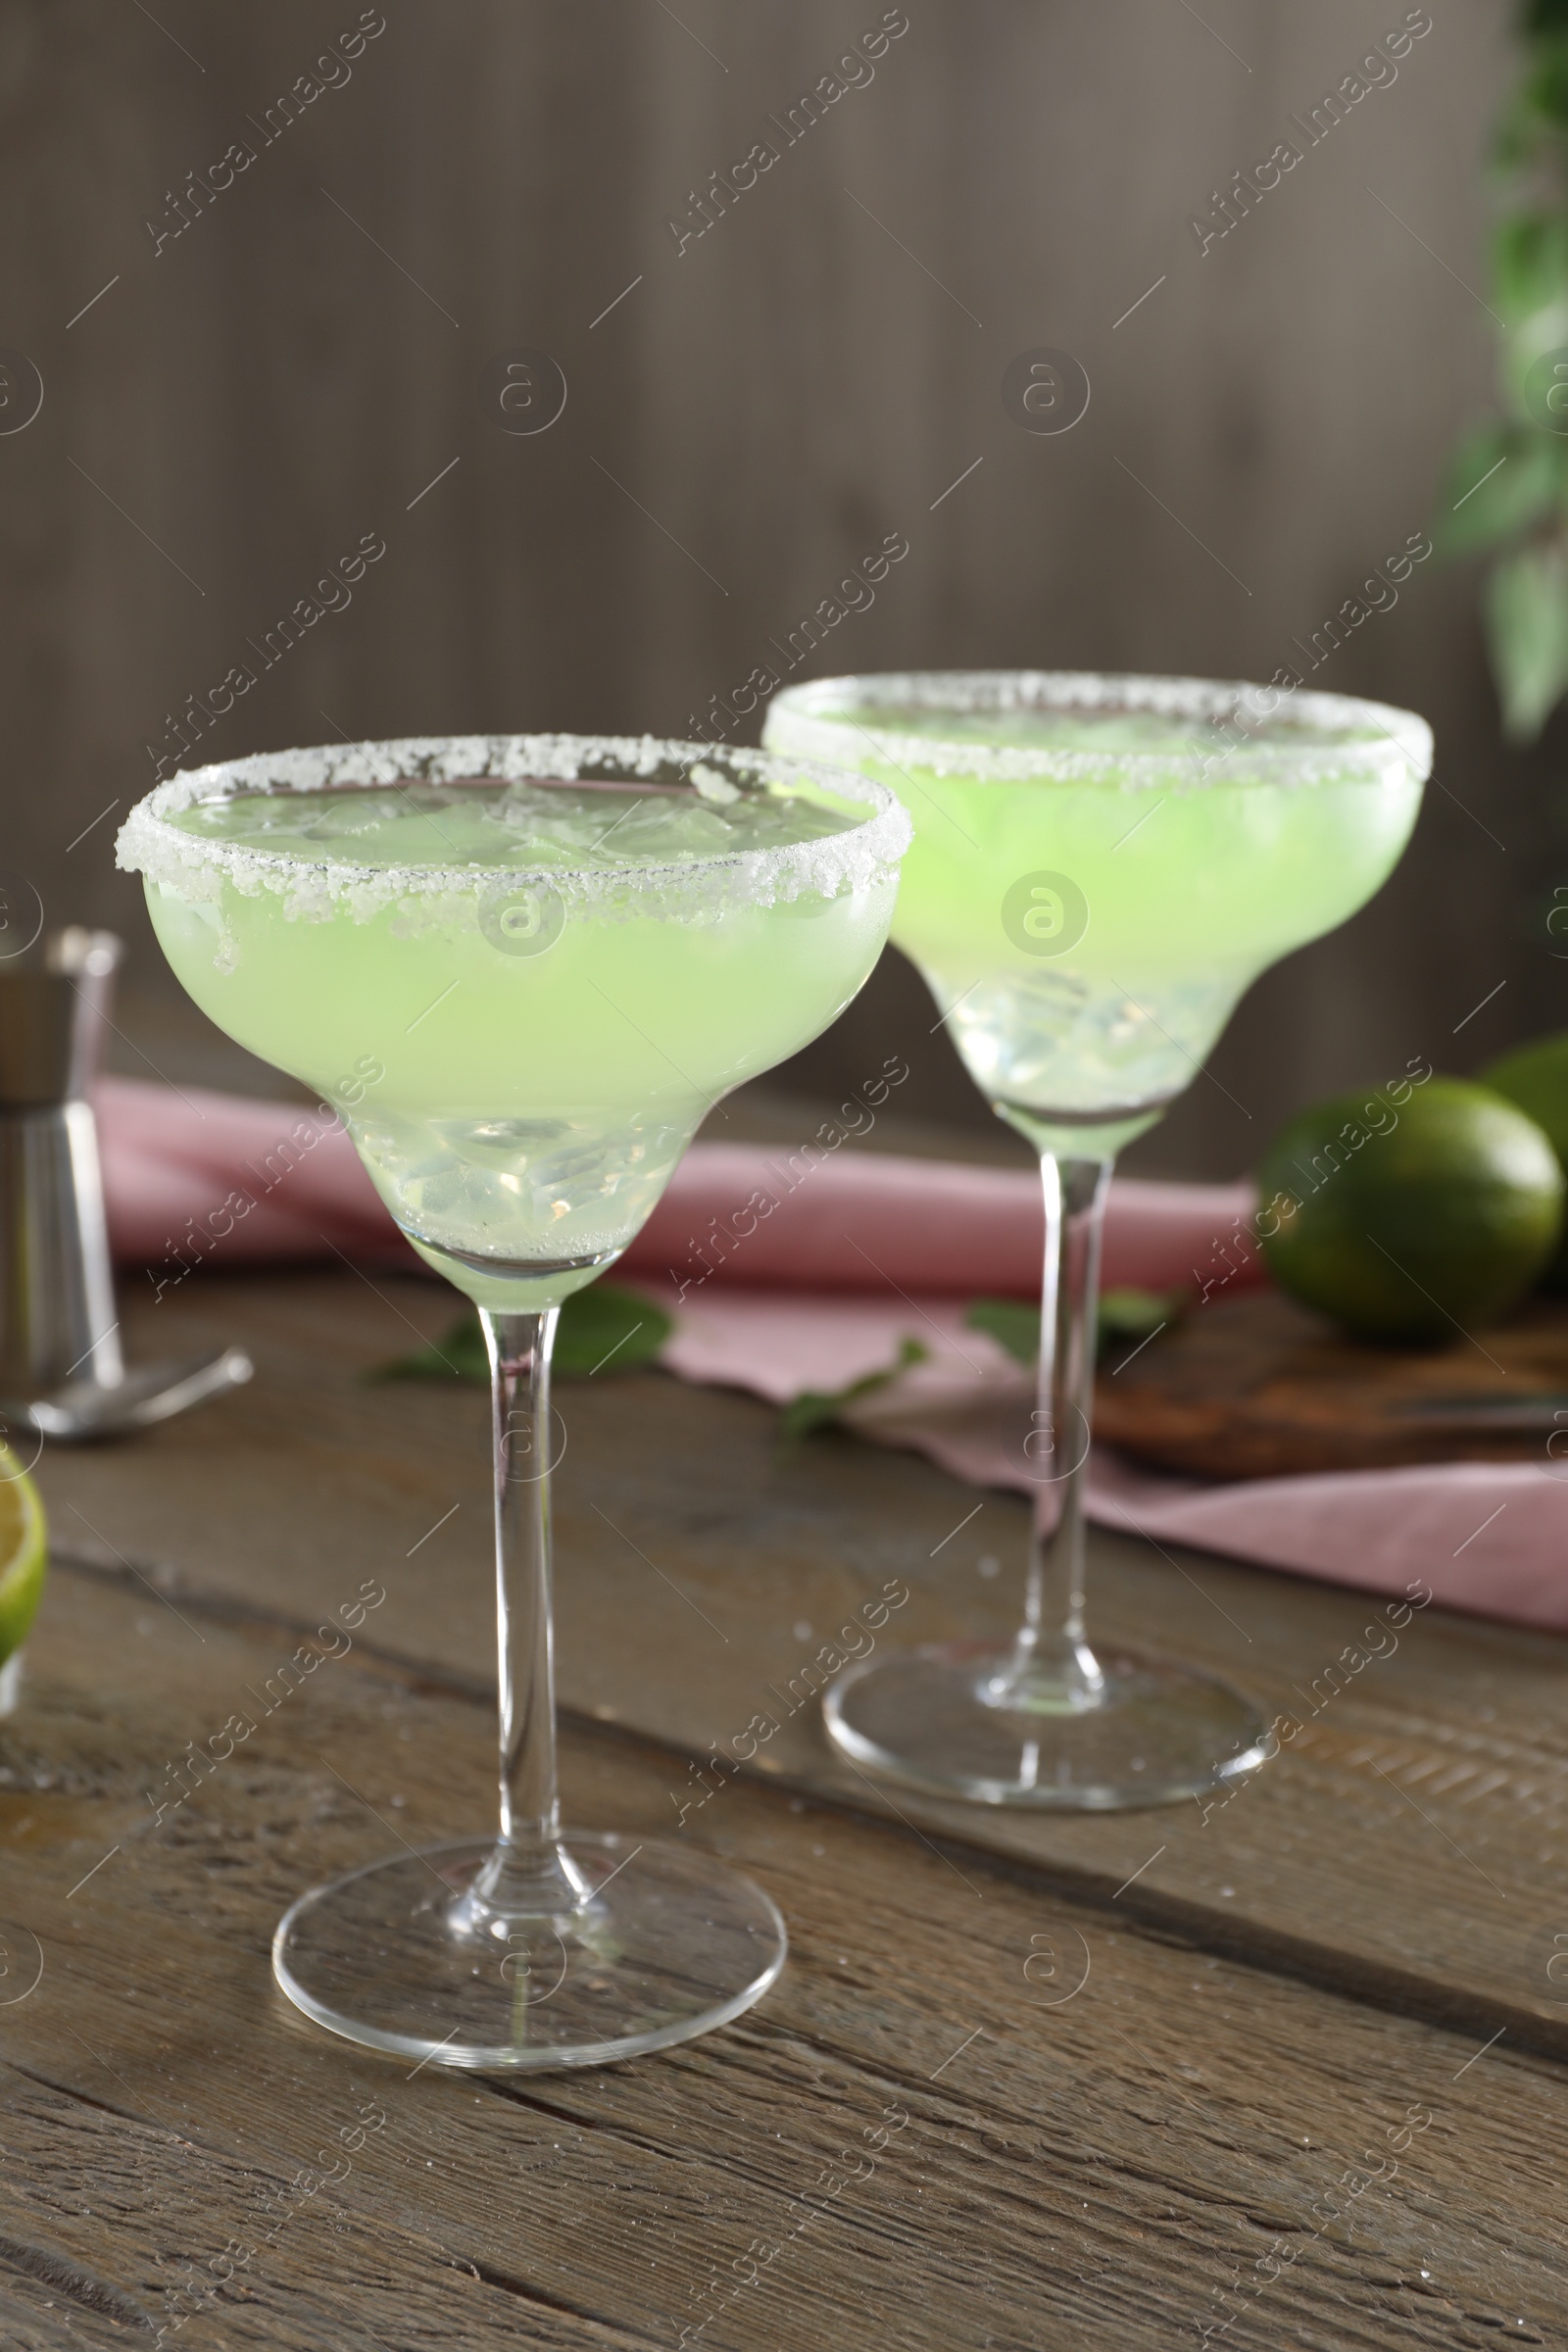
x,y
1356,738
165,853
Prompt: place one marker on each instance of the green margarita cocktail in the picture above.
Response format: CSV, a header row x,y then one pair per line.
x,y
1100,867
524,968
524,992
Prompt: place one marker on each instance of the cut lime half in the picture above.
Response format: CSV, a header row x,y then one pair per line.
x,y
24,1554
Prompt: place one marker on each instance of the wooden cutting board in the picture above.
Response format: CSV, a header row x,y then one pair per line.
x,y
1258,1387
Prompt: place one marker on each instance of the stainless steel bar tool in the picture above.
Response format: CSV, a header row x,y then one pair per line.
x,y
61,1370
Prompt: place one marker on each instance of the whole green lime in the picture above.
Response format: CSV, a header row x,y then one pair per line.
x,y
1536,1077
1415,1221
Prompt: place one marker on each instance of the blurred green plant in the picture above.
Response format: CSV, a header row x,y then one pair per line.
x,y
1508,488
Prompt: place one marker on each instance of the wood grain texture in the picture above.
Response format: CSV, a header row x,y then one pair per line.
x,y
1408,1844
1259,1388
972,2115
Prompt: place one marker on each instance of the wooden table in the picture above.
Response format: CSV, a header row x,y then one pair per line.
x,y
1289,2073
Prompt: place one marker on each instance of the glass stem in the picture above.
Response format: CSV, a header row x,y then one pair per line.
x,y
528,1874
1053,1666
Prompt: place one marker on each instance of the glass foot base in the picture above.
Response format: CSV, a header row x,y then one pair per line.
x,y
1157,1732
667,1944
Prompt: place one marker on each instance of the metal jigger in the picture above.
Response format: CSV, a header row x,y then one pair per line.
x,y
62,1373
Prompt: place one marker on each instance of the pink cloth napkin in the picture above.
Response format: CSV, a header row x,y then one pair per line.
x,y
1490,1537
873,1222
787,1271
191,1175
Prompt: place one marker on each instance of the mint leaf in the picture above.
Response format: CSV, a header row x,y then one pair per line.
x,y
602,1329
816,1409
1124,1315
1133,1316
605,1329
1010,1324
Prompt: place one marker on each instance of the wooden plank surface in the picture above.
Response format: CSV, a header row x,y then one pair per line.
x,y
1407,1844
1260,1387
974,2113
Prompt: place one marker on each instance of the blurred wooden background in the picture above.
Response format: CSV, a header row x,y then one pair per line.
x,y
311,360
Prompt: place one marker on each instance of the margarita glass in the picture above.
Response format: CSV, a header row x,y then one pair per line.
x,y
1100,867
526,967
